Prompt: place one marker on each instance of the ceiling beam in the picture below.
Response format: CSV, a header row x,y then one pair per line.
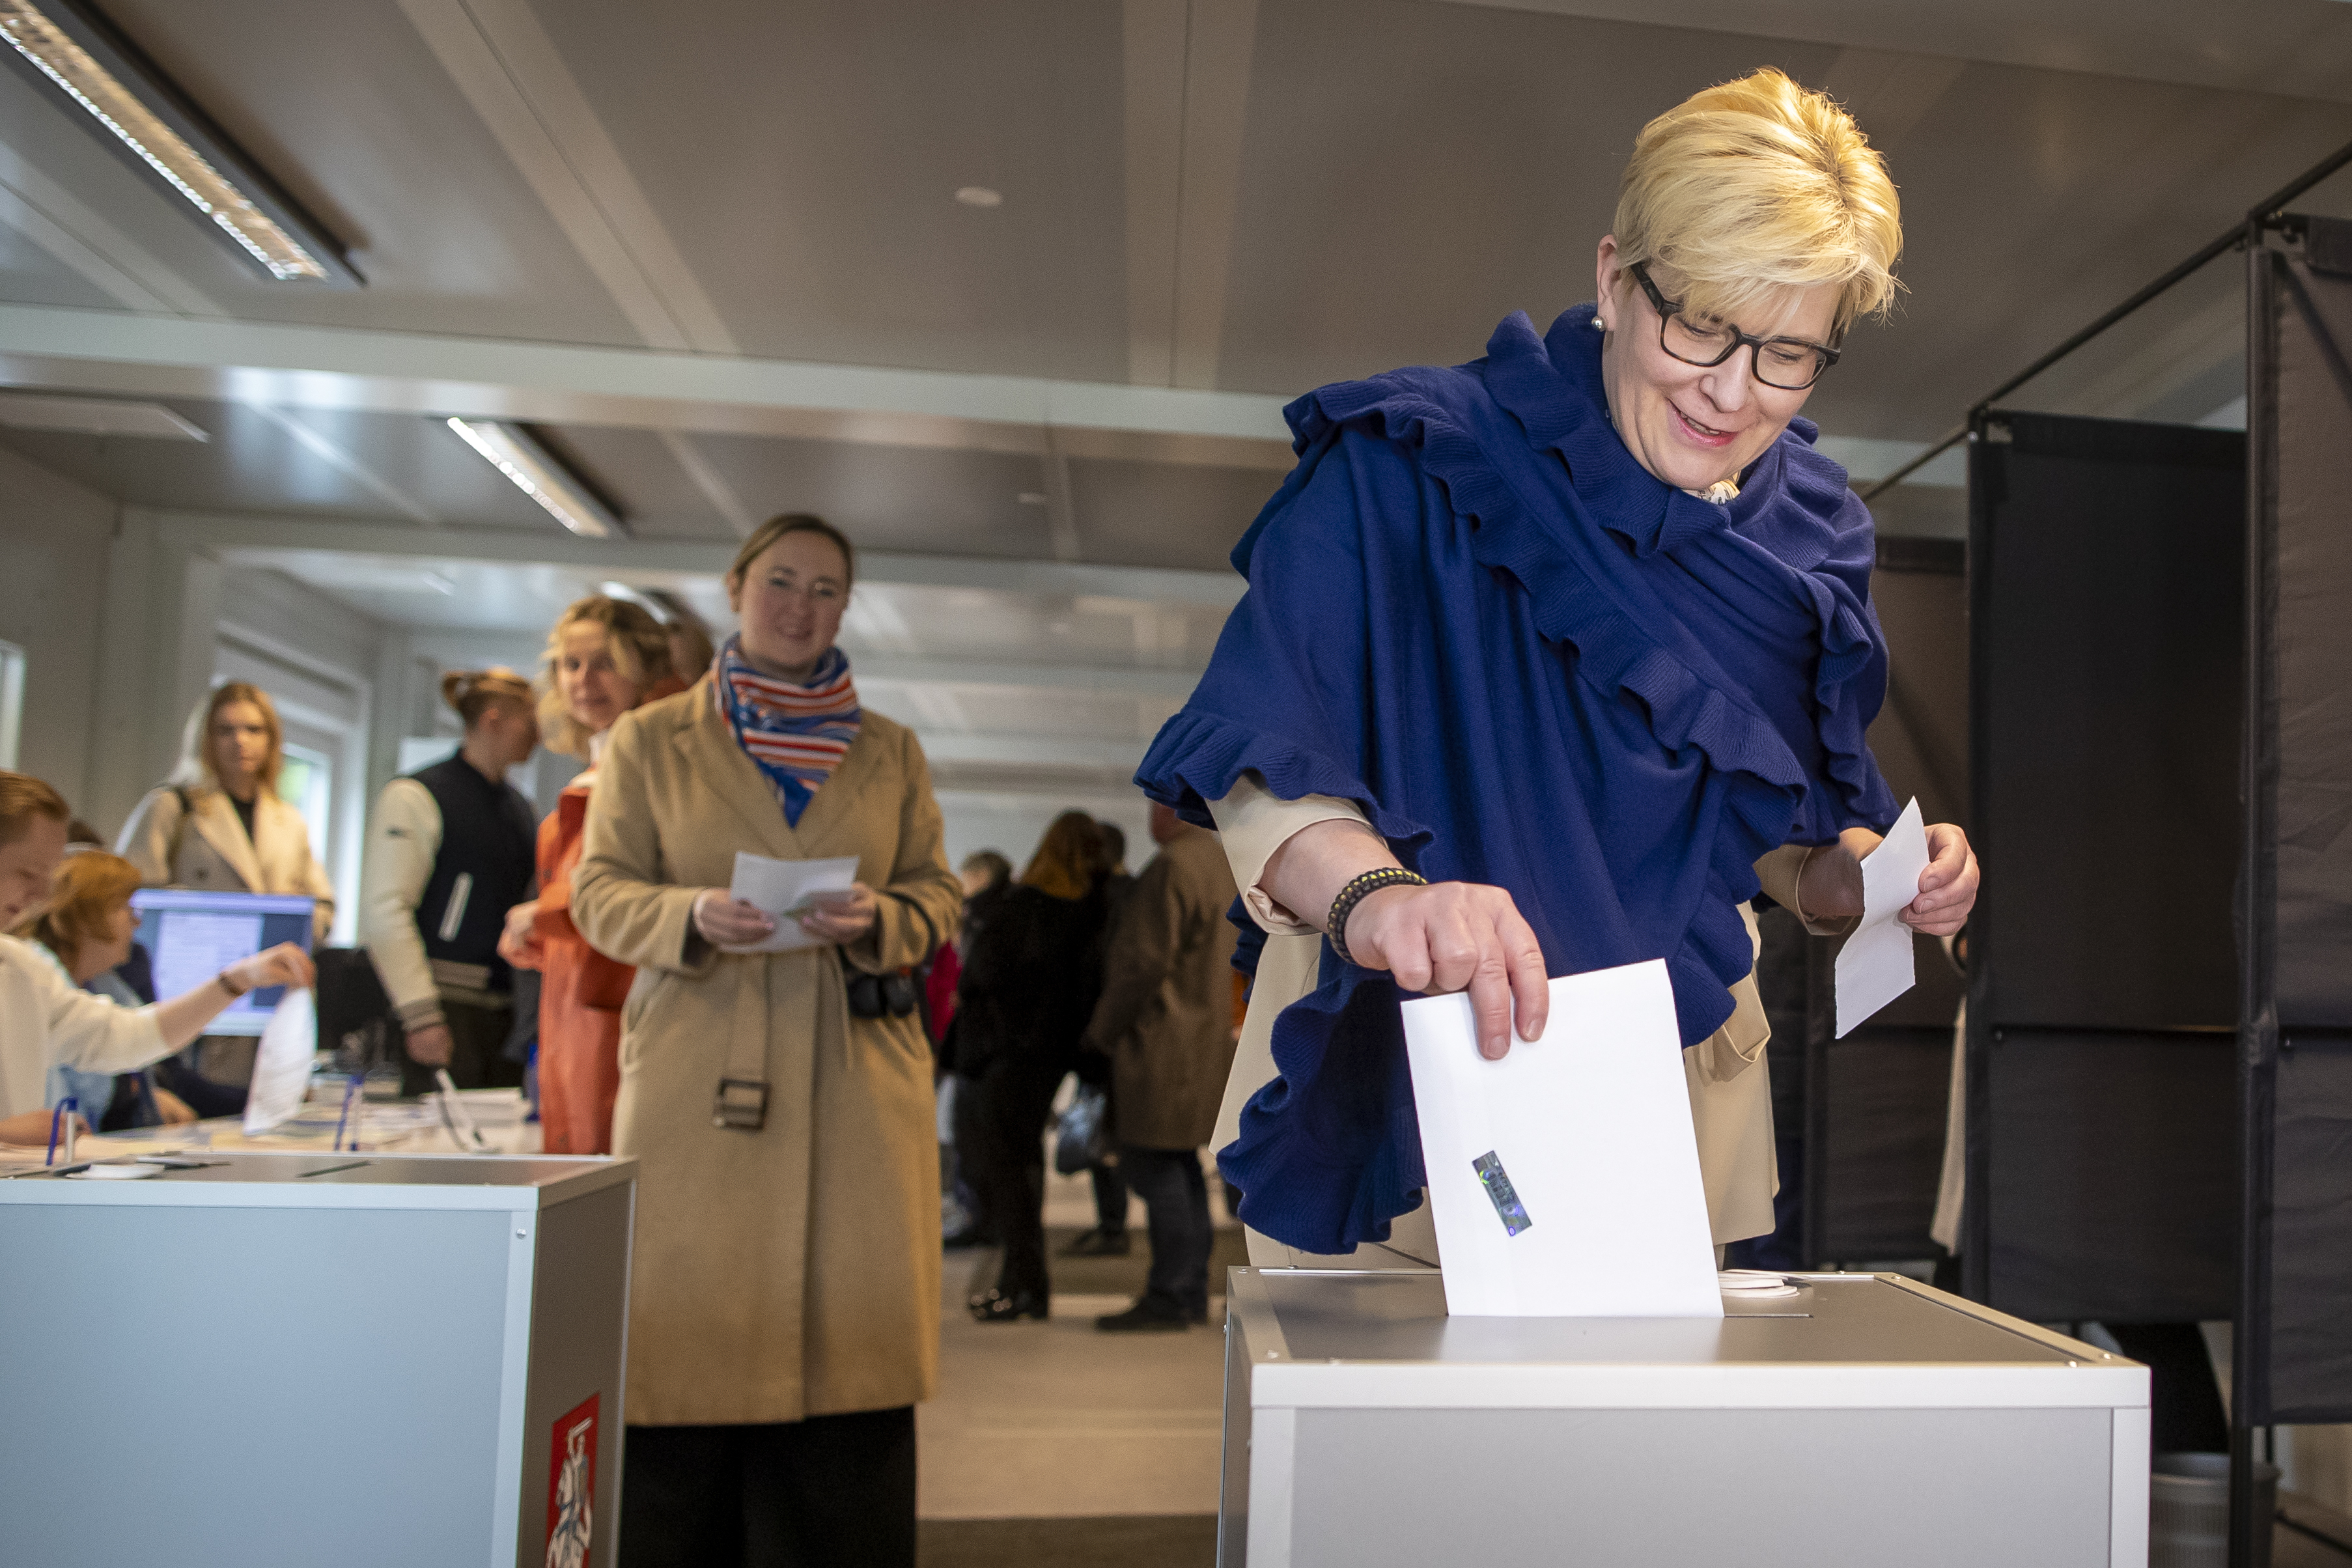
x,y
655,563
327,367
508,69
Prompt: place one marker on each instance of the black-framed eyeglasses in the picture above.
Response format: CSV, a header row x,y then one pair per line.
x,y
1792,364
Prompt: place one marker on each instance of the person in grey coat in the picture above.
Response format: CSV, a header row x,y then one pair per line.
x,y
1165,1019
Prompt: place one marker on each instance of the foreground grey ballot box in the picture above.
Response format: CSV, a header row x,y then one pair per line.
x,y
1862,1418
312,1358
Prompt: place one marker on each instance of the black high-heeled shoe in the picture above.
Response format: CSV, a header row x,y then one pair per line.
x,y
998,1307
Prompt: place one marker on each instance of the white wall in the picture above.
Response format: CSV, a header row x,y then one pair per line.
x,y
56,539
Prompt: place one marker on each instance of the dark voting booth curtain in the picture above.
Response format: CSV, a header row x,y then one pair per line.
x,y
2107,570
2295,1338
1872,1106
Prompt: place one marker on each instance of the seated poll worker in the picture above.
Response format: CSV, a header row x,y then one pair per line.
x,y
784,1299
48,1020
1551,662
89,925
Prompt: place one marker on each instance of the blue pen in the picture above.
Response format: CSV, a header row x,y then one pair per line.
x,y
350,1089
66,1107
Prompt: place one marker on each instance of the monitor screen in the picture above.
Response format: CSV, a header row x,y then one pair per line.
x,y
193,936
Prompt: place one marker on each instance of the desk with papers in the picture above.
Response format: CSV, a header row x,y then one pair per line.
x,y
1856,1419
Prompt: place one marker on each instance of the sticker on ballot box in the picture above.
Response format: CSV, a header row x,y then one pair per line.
x,y
572,1486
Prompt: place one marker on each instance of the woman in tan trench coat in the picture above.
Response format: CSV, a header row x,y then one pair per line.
x,y
784,1307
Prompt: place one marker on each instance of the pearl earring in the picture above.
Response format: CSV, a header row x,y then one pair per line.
x,y
1599,325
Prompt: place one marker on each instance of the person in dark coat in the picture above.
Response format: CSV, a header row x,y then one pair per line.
x,y
1033,968
1107,1236
1166,1022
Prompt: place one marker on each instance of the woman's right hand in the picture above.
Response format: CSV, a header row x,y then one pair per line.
x,y
1457,936
285,964
725,920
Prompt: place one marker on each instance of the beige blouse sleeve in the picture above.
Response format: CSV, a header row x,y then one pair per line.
x,y
1253,823
1780,871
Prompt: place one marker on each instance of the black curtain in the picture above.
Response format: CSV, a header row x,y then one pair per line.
x,y
2106,567
2295,1336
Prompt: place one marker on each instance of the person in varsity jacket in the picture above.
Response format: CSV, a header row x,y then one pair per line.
x,y
450,849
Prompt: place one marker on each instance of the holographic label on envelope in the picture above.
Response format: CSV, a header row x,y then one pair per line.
x,y
1497,1182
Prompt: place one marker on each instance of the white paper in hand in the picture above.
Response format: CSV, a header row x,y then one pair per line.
x,y
1874,966
281,1064
1565,1177
783,889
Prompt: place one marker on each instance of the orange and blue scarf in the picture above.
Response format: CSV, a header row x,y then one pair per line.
x,y
797,731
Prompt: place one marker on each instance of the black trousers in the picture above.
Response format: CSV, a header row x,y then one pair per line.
x,y
832,1491
1006,1164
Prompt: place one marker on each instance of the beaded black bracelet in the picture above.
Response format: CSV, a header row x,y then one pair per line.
x,y
1356,892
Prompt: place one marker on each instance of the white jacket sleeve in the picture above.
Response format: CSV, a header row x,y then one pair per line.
x,y
46,1020
403,840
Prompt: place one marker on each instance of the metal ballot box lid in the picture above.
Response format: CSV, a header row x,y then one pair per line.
x,y
1371,1338
1364,1428
316,1180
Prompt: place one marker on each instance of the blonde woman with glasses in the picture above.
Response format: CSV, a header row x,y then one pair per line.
x,y
1551,662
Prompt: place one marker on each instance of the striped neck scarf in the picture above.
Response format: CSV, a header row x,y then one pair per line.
x,y
796,731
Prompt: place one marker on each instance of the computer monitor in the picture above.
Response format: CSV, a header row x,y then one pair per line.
x,y
194,935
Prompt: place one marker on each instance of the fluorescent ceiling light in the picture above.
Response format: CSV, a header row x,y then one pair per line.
x,y
513,453
123,101
95,416
646,602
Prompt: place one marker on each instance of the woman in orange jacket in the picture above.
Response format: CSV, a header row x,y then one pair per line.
x,y
603,658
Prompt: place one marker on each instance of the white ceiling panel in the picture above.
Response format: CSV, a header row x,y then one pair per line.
x,y
808,155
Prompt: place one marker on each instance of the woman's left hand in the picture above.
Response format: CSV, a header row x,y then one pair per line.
x,y
841,917
1948,887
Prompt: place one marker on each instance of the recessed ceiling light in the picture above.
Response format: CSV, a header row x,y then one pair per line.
x,y
95,416
130,106
970,195
528,466
646,602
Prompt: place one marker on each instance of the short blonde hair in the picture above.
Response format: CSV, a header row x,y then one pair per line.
x,y
1757,185
471,692
640,648
196,743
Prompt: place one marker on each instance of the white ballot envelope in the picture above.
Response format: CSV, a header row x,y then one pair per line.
x,y
1565,1177
785,891
281,1063
1874,966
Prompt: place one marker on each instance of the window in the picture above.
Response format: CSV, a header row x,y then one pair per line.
x,y
12,700
307,783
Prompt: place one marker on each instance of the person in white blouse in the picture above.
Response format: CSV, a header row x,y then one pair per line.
x,y
50,1020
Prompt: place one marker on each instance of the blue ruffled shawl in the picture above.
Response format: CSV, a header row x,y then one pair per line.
x,y
1532,664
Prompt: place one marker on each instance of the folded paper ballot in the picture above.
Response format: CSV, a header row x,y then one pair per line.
x,y
1565,1177
785,891
1874,966
281,1064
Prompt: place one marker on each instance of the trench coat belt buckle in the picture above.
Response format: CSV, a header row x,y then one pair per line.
x,y
742,1104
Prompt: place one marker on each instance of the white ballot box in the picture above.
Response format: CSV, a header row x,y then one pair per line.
x,y
296,1359
1862,1418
